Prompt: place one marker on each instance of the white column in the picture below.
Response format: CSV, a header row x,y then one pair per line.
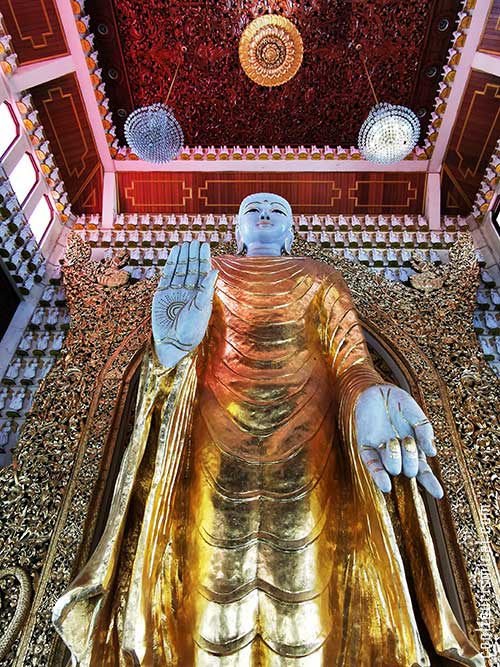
x,y
433,200
109,200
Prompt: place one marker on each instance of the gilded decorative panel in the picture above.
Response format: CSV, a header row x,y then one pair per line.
x,y
35,29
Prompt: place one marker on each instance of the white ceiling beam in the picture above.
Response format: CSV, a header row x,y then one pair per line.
x,y
282,166
82,73
474,34
28,76
484,62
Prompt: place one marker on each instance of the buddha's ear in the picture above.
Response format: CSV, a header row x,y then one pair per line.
x,y
240,246
287,247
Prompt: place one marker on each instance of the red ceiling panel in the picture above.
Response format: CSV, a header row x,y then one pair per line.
x,y
35,29
140,43
473,140
491,37
194,192
63,116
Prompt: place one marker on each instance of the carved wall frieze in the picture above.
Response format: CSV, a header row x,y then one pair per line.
x,y
47,494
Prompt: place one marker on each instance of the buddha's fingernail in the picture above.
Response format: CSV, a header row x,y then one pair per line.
x,y
409,445
394,445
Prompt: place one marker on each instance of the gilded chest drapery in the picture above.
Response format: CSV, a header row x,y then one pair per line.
x,y
264,543
263,437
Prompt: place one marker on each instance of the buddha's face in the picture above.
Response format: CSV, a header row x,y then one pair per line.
x,y
265,224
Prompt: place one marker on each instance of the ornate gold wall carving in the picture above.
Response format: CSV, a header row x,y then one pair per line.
x,y
48,496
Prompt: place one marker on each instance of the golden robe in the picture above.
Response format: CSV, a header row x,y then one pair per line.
x,y
244,530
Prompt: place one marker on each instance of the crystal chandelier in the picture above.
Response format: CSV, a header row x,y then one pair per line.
x,y
153,132
390,131
388,134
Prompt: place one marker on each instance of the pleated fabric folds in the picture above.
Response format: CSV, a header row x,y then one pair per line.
x,y
245,530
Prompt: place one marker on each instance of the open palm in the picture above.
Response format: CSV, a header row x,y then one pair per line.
x,y
182,303
394,436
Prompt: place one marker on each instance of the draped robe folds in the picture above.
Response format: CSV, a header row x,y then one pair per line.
x,y
244,529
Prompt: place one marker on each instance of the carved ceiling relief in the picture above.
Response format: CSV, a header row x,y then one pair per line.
x,y
46,495
405,47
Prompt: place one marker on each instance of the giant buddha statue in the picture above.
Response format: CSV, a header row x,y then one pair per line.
x,y
249,525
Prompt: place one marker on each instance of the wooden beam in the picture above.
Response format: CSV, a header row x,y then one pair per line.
x,y
28,76
474,34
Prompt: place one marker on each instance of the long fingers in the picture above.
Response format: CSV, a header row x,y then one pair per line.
x,y
410,412
169,268
193,267
424,435
390,454
180,273
205,263
206,291
409,454
371,459
427,478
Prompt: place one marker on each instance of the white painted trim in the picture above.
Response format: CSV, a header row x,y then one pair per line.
x,y
282,166
16,152
485,62
474,34
433,200
36,194
82,73
109,200
27,76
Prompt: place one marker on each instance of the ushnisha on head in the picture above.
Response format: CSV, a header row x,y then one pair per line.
x,y
265,226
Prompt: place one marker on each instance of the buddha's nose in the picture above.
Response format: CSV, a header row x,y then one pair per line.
x,y
264,216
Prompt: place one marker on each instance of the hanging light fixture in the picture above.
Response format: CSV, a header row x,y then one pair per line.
x,y
153,132
390,131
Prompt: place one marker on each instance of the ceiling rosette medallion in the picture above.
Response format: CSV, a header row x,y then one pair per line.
x,y
271,50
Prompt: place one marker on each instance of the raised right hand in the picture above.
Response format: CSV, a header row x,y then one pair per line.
x,y
182,303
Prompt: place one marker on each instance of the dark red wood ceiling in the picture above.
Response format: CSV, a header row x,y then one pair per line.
x,y
140,43
35,29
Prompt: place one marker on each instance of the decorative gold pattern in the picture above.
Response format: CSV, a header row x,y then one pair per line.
x,y
47,495
107,272
428,277
271,50
268,529
22,607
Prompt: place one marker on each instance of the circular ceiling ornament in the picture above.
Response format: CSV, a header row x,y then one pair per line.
x,y
389,133
154,134
271,50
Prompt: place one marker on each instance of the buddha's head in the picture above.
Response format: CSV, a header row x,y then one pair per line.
x,y
265,225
